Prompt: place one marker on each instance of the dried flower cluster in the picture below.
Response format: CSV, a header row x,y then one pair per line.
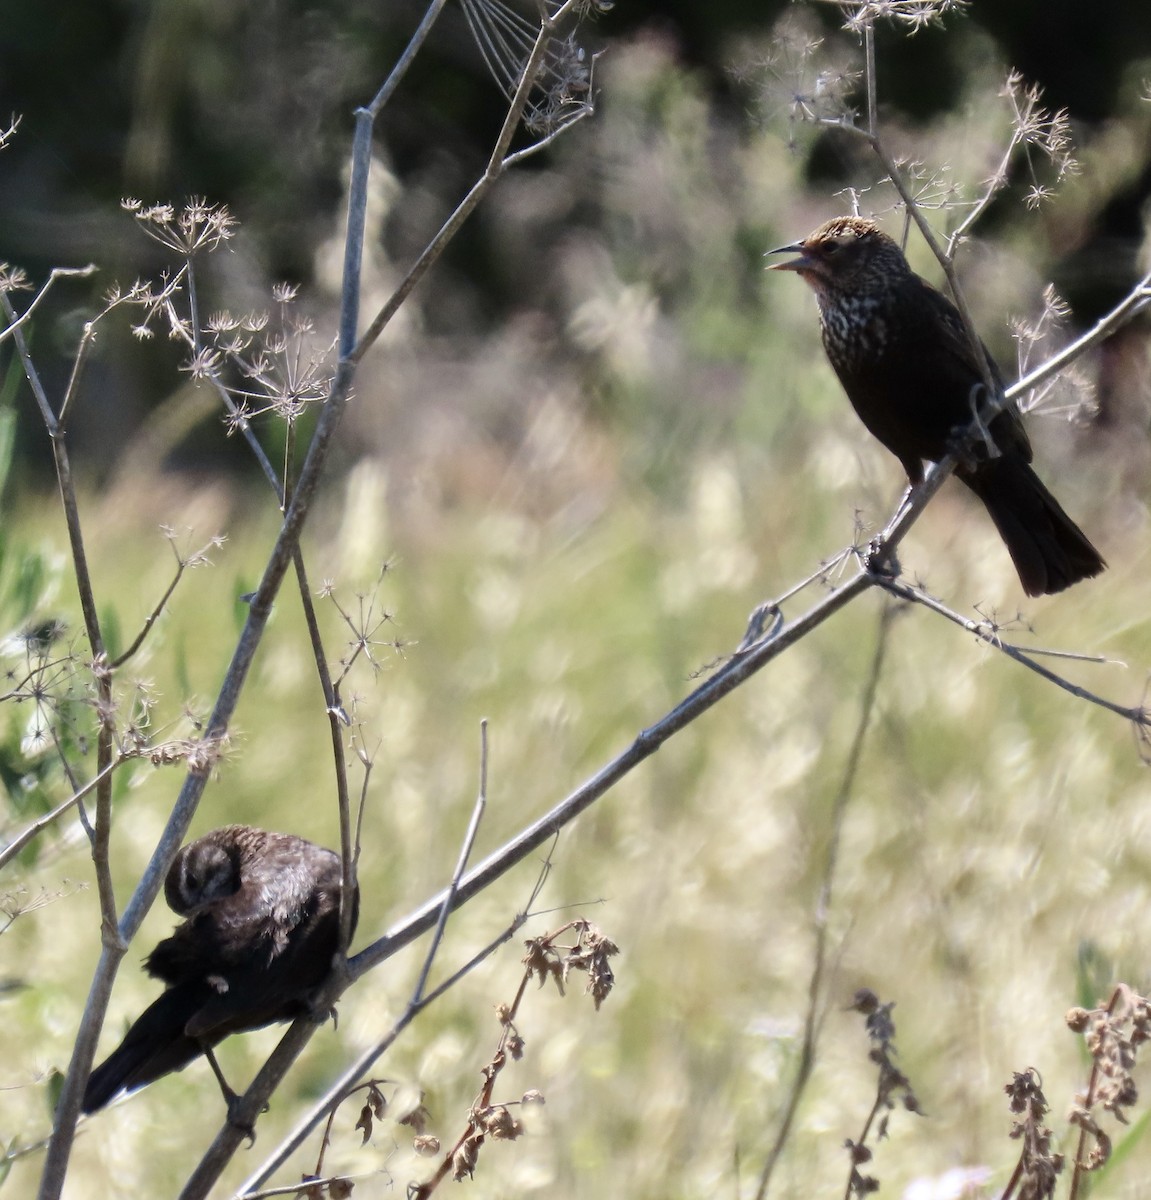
x,y
803,79
892,1088
195,226
1113,1035
1037,128
490,1118
266,366
913,15
1070,393
1039,1165
563,88
589,955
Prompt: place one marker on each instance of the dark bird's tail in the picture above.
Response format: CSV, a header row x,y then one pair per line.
x,y
155,1045
1049,550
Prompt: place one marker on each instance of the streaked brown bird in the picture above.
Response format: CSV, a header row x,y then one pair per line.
x,y
903,357
262,925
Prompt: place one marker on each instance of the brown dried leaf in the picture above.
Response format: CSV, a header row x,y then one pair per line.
x,y
417,1118
465,1158
365,1123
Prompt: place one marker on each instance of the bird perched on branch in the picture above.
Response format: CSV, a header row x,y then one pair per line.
x,y
904,359
262,925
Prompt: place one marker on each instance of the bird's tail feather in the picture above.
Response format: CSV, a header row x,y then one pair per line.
x,y
1049,550
155,1045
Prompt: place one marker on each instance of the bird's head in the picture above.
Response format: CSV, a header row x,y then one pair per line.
x,y
202,872
845,254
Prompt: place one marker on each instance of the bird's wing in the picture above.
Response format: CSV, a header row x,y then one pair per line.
x,y
274,984
953,341
156,1044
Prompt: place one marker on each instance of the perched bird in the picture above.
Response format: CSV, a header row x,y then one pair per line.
x,y
904,359
261,928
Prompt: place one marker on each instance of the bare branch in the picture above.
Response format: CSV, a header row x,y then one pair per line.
x,y
987,632
461,865
813,1017
56,273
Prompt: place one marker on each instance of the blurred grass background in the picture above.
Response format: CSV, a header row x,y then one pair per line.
x,y
580,505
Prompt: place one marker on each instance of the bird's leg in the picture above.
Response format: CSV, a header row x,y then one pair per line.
x,y
879,559
231,1099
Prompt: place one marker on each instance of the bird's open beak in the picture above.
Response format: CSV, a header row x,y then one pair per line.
x,y
802,263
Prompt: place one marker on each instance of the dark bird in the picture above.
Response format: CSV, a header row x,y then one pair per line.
x,y
904,359
261,929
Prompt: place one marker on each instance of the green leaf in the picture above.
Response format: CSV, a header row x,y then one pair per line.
x,y
7,444
111,633
55,1085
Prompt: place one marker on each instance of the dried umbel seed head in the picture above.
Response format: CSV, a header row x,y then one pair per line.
x,y
1077,1019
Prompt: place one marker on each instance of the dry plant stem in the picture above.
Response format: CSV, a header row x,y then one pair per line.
x,y
152,617
245,427
353,1075
326,1140
1137,715
1013,1182
87,340
339,759
113,945
332,707
994,187
871,78
26,836
331,699
491,1073
498,162
295,1189
911,507
116,940
469,842
381,98
862,1139
1080,1170
19,322
813,1018
227,1141
1129,307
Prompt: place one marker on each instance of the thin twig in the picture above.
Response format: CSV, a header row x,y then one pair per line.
x,y
478,810
56,273
352,1075
497,164
22,839
1138,715
152,617
297,1189
813,1018
1126,310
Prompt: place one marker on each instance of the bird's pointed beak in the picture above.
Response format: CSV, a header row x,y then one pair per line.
x,y
802,263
